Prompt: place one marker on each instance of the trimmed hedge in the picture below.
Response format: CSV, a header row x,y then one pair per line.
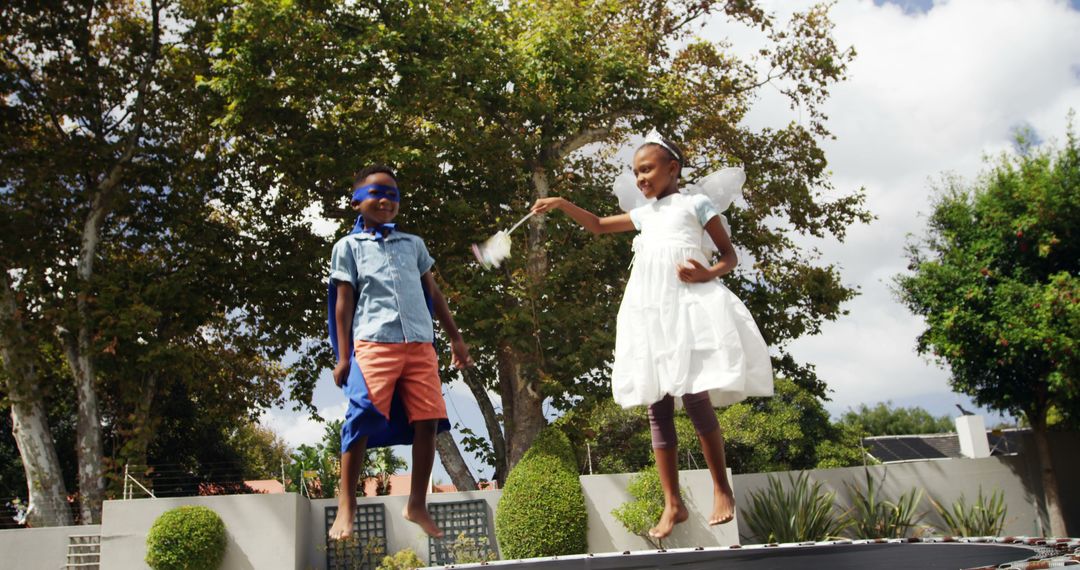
x,y
186,538
542,510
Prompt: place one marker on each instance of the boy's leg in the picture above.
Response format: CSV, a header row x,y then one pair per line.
x,y
421,392
423,458
352,460
703,416
665,448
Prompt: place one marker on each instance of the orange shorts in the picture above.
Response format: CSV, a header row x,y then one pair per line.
x,y
412,367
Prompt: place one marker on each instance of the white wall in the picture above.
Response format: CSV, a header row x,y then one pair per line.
x,y
604,493
38,547
262,530
268,532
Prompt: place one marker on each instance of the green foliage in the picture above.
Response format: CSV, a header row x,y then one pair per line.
x,y
883,419
642,513
791,430
800,512
984,517
872,517
186,538
997,280
471,550
262,452
402,560
788,431
542,509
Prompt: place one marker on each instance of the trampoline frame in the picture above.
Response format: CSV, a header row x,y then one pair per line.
x,y
1049,553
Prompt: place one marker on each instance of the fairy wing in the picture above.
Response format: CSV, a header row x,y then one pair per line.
x,y
721,188
626,190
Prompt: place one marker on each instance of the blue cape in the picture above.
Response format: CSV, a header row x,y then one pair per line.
x,y
363,418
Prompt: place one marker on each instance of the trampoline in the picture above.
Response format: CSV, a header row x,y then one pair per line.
x,y
930,553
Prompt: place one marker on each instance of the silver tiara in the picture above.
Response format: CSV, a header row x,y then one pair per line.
x,y
654,138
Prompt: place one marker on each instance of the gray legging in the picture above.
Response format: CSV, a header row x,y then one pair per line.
x,y
662,418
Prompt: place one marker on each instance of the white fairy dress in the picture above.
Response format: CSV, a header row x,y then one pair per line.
x,y
683,338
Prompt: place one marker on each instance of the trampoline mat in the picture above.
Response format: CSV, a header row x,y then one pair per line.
x,y
868,555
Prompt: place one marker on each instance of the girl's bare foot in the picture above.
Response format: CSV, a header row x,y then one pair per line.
x,y
343,523
672,516
421,517
723,510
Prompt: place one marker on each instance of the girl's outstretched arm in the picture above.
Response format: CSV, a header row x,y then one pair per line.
x,y
587,219
694,272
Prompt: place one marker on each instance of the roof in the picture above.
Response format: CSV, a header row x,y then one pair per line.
x,y
893,448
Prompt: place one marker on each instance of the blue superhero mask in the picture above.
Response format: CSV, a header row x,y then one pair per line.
x,y
377,192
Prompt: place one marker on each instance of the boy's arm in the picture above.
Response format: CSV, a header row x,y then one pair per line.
x,y
343,317
587,219
458,348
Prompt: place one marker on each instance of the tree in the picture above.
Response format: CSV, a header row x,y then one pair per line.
x,y
883,419
127,249
790,430
996,279
486,106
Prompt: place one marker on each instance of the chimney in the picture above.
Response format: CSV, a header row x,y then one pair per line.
x,y
972,433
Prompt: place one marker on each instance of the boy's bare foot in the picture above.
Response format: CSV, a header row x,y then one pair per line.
x,y
668,520
342,528
723,510
421,517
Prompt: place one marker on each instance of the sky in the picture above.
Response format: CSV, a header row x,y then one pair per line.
x,y
936,88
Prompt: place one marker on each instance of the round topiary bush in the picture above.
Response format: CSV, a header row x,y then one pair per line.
x,y
186,538
542,510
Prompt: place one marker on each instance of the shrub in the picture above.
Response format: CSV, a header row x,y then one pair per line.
x,y
542,510
985,517
402,560
186,538
800,513
641,514
872,517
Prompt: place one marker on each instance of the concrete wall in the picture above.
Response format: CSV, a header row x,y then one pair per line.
x,y
288,531
400,533
44,548
604,493
262,530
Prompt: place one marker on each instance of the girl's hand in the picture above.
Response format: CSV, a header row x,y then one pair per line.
x,y
695,272
460,354
341,372
544,204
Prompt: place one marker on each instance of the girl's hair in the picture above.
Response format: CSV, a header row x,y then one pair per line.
x,y
673,151
373,169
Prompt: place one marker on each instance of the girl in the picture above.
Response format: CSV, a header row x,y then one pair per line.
x,y
680,332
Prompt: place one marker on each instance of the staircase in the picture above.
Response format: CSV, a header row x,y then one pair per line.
x,y
84,552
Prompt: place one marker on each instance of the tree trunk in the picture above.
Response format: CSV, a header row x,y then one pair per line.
x,y
1049,478
30,425
454,463
88,439
522,407
491,421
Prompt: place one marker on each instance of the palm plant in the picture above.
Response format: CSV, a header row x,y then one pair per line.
x,y
984,517
801,512
872,517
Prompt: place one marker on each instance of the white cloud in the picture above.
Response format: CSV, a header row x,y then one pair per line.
x,y
301,429
929,93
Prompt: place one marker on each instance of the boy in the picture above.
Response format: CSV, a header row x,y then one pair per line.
x,y
380,288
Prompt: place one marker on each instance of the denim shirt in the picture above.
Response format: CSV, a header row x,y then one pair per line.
x,y
385,274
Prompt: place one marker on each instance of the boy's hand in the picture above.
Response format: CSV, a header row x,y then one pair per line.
x,y
460,354
341,373
693,271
